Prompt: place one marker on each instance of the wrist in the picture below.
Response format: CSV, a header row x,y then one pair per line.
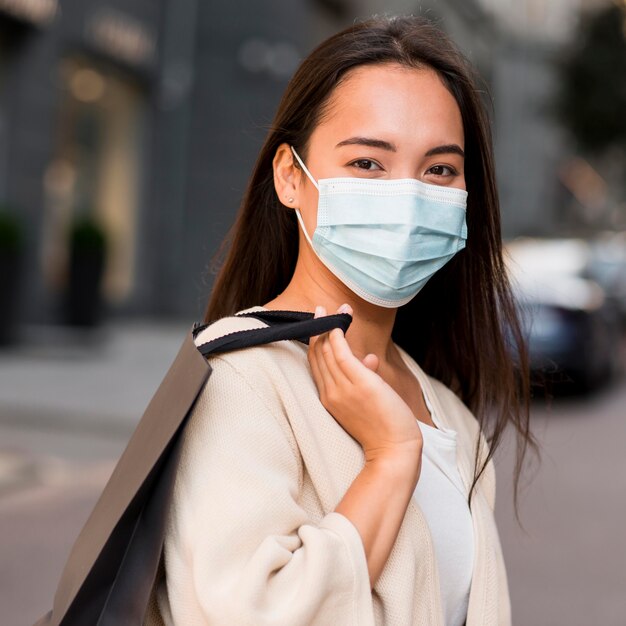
x,y
401,461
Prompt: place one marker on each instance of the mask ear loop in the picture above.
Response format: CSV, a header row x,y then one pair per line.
x,y
304,167
298,214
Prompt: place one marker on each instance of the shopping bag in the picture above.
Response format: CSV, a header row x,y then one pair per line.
x,y
112,566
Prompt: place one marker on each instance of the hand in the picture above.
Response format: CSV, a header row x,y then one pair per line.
x,y
367,407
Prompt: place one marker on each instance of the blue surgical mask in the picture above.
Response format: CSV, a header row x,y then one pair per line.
x,y
384,239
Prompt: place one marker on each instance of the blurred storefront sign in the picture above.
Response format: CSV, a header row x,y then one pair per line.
x,y
38,12
121,37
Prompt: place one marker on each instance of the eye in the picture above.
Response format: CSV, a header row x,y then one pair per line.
x,y
442,170
366,164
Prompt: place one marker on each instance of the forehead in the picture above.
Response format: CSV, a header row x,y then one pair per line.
x,y
410,104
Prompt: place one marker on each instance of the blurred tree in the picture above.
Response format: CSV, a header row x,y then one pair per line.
x,y
591,101
88,249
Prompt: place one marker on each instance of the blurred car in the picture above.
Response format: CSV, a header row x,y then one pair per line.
x,y
572,328
607,266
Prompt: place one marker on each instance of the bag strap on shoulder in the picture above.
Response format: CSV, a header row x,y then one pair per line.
x,y
281,326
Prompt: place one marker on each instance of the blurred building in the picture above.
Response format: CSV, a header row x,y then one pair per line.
x,y
531,147
148,116
77,97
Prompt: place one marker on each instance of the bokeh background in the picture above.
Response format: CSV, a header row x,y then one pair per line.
x,y
127,133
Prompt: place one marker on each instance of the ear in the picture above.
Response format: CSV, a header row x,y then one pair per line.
x,y
286,176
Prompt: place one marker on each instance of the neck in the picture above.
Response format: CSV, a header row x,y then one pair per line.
x,y
312,285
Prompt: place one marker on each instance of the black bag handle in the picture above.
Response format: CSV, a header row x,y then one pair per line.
x,y
281,326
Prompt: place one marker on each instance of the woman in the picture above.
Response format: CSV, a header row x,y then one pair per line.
x,y
338,483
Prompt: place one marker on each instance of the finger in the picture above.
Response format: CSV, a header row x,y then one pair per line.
x,y
349,365
345,308
321,348
328,350
319,312
371,361
328,355
323,351
313,354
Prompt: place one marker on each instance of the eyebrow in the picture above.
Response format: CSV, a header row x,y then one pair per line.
x,y
367,141
451,148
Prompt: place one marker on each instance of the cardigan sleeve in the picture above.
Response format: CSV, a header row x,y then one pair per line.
x,y
239,548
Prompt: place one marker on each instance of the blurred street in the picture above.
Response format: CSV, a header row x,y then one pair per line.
x,y
128,133
58,448
570,565
67,409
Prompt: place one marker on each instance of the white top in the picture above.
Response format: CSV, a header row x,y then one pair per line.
x,y
443,500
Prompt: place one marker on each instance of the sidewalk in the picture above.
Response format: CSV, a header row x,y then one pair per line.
x,y
86,381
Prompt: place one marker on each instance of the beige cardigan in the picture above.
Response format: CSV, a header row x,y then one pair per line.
x,y
252,536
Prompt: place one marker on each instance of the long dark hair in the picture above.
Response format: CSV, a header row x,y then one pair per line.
x,y
458,326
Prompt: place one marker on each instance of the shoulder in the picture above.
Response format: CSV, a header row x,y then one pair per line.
x,y
227,326
263,362
251,383
251,364
270,374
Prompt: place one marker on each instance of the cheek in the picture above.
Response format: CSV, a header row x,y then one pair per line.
x,y
308,208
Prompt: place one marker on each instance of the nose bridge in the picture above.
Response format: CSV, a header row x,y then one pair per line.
x,y
407,167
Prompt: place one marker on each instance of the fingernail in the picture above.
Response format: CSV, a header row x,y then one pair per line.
x,y
345,308
318,311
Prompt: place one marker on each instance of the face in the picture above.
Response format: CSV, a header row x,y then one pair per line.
x,y
383,121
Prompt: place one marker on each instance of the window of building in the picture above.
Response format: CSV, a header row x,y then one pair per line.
x,y
95,171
